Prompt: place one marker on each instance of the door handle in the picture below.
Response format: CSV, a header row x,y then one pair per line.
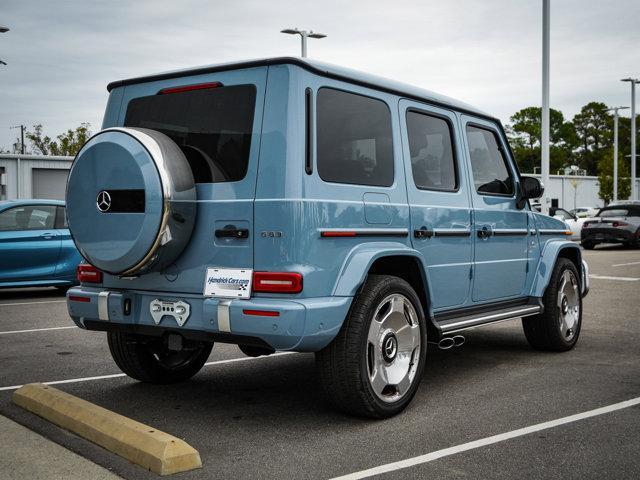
x,y
423,232
48,236
230,231
485,232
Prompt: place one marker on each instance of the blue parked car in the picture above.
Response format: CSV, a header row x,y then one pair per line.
x,y
36,248
288,204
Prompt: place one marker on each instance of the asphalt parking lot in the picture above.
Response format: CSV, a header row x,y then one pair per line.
x,y
265,417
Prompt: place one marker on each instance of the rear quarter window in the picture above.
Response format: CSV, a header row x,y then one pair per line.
x,y
212,126
354,139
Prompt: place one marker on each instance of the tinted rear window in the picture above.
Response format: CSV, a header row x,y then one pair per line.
x,y
631,211
212,127
354,139
431,149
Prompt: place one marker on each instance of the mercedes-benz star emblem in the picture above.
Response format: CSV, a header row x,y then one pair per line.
x,y
103,201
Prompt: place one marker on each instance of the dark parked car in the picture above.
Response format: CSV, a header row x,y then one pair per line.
x,y
619,223
36,248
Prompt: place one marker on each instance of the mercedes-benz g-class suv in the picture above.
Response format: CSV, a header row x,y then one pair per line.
x,y
291,205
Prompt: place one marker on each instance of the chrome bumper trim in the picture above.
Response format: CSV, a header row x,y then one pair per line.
x,y
103,305
224,324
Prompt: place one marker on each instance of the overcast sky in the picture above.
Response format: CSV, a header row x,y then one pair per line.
x,y
61,54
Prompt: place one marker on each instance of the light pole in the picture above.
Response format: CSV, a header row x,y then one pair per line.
x,y
303,37
633,81
615,150
3,30
544,142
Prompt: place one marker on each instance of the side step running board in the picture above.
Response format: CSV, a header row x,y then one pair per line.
x,y
469,321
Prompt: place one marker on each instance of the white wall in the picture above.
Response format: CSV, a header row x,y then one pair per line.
x,y
586,193
27,164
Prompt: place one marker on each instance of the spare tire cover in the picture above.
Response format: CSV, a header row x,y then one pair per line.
x,y
130,201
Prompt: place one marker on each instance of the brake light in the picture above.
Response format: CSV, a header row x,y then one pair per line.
x,y
277,282
261,313
189,88
620,224
75,298
86,273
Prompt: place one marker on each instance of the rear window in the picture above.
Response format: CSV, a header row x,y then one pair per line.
x,y
619,212
212,127
354,139
431,149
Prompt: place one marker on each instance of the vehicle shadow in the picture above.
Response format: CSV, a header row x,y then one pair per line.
x,y
30,293
283,392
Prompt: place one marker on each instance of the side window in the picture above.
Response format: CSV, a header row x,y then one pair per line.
x,y
354,139
490,172
61,218
39,217
431,149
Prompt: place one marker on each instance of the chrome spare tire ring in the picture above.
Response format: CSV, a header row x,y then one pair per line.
x,y
393,348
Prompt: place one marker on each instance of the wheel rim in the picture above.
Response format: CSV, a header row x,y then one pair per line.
x,y
568,305
393,348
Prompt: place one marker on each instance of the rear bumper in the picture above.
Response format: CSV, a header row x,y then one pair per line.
x,y
606,235
304,325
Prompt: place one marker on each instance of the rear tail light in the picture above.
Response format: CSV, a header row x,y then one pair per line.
x,y
86,273
277,282
620,224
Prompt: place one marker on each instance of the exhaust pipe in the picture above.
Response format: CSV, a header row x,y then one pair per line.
x,y
448,343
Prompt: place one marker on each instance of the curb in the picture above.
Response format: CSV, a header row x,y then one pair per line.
x,y
141,444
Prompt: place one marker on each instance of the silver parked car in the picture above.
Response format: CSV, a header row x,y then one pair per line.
x,y
616,223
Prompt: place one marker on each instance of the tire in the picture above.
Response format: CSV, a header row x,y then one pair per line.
x,y
149,359
63,289
558,327
357,374
587,245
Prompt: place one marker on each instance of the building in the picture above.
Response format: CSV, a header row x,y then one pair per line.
x,y
33,176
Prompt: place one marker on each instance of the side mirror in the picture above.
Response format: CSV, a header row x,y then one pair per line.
x,y
530,188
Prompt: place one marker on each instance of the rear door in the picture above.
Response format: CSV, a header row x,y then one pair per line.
x,y
29,243
439,200
216,120
501,229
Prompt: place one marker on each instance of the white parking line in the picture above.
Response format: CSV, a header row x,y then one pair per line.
x,y
118,375
31,303
36,330
410,462
625,264
606,277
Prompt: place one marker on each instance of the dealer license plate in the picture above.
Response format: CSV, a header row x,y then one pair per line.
x,y
228,282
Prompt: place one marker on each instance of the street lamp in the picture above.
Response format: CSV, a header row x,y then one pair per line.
x,y
544,137
3,30
633,81
303,37
615,150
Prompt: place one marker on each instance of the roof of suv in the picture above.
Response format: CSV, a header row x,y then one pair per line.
x,y
319,68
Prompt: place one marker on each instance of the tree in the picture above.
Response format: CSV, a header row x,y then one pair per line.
x,y
593,126
67,144
605,178
525,132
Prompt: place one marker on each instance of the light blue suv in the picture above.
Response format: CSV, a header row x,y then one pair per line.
x,y
288,204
